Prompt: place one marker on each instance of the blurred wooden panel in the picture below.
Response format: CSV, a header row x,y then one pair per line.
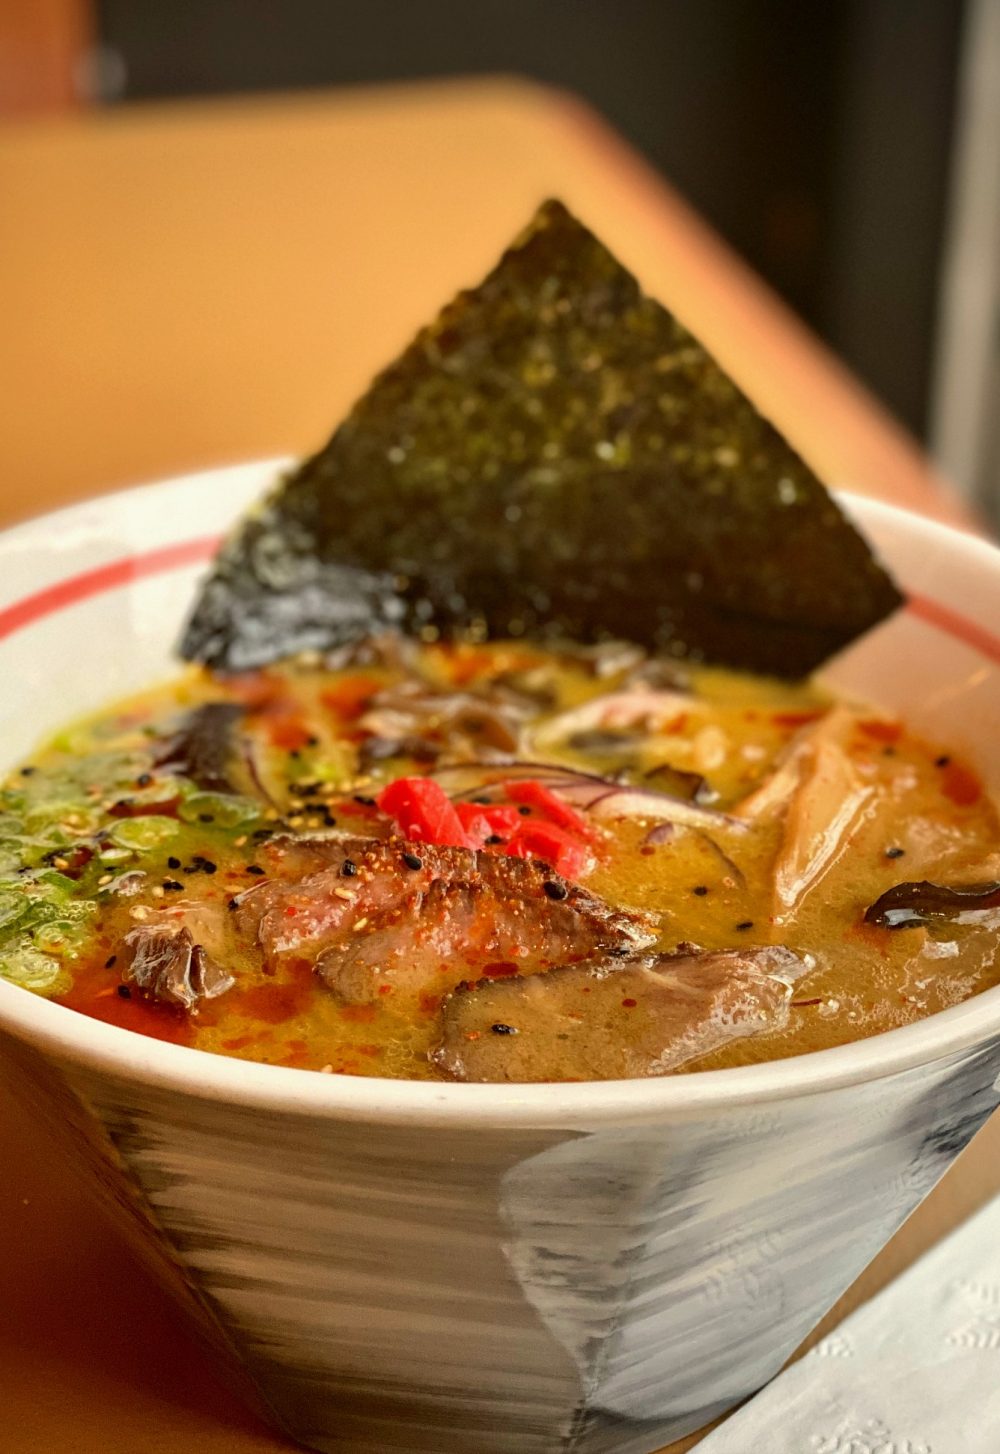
x,y
188,284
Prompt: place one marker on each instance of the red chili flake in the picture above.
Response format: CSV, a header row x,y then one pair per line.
x,y
499,969
351,696
288,732
429,1003
423,811
630,1004
385,989
255,688
272,1004
794,719
239,1043
470,662
881,731
960,785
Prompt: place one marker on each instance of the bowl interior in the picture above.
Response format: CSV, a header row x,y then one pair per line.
x,y
92,600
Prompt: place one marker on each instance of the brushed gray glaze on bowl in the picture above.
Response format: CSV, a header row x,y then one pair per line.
x,y
518,1291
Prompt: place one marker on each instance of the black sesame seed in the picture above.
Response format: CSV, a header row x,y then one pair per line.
x,y
481,802
494,838
700,889
503,1029
27,771
312,741
942,761
329,821
524,810
295,753
888,752
894,852
554,890
412,860
172,886
233,904
144,779
111,961
206,818
255,868
745,924
260,834
124,991
173,862
349,868
365,801
207,866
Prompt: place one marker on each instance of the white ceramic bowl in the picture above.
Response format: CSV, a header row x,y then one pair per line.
x,y
456,1268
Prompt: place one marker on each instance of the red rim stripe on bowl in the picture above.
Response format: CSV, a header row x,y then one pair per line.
x,y
952,624
117,573
73,589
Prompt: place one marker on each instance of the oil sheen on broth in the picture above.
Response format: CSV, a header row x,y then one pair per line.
x,y
149,852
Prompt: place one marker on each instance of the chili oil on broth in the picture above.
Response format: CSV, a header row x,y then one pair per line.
x,y
97,833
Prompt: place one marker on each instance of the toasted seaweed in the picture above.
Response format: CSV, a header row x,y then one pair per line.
x,y
554,457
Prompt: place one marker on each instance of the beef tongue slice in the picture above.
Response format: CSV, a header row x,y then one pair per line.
x,y
614,1019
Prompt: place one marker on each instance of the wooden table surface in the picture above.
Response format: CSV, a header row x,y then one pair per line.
x,y
194,284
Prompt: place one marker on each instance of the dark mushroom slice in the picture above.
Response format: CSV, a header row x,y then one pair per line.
x,y
205,748
476,724
408,920
164,962
907,905
610,1019
471,490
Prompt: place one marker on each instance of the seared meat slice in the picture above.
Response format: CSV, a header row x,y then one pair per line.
x,y
163,960
613,1020
390,917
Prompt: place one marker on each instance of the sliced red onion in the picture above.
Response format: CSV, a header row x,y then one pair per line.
x,y
604,797
253,770
731,868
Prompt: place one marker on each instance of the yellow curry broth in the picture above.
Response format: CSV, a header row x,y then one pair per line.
x,y
918,814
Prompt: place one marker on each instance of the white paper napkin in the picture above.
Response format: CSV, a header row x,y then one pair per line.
x,y
914,1371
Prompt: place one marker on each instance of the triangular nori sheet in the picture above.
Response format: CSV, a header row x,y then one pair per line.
x,y
554,456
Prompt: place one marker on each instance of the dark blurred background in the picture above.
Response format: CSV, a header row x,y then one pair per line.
x,y
814,134
848,149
